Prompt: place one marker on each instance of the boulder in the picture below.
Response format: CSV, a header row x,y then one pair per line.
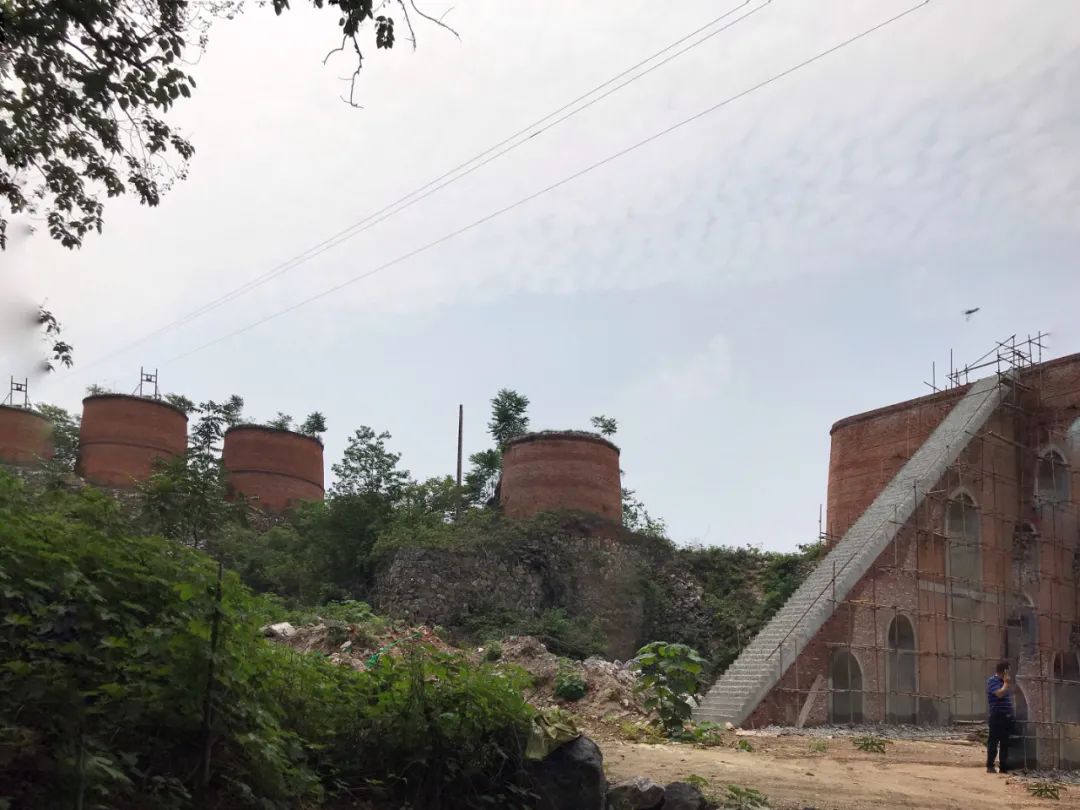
x,y
279,630
638,793
571,776
683,796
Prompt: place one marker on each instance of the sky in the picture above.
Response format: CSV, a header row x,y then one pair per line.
x,y
727,291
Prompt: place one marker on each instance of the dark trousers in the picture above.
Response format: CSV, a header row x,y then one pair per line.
x,y
1000,728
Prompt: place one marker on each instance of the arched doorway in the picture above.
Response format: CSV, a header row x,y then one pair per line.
x,y
967,623
845,689
900,672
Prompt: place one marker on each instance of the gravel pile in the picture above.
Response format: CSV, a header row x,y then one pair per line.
x,y
890,732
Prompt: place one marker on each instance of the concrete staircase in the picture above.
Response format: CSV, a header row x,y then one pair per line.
x,y
760,666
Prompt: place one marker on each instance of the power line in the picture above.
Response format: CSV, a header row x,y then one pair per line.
x,y
569,178
450,176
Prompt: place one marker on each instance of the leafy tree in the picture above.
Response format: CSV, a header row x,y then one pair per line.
x,y
670,675
184,499
214,419
314,424
637,518
86,86
282,421
605,425
65,434
369,467
94,390
509,417
181,402
60,351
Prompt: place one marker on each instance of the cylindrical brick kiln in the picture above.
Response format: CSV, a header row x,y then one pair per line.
x,y
121,436
561,471
276,468
25,436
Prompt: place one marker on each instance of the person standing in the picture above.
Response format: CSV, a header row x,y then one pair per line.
x,y
1000,709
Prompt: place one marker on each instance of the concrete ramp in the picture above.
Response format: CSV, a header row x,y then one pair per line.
x,y
761,665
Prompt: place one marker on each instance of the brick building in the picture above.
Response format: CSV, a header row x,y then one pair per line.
x,y
952,543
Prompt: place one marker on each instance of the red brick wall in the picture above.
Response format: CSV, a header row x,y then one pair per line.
x,y
25,436
551,472
912,577
277,468
869,449
121,436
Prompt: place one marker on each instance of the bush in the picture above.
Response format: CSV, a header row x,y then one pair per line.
x,y
743,798
568,684
870,743
106,650
493,652
670,677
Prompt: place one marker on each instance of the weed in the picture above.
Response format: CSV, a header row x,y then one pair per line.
x,y
744,798
818,746
641,732
493,652
871,744
1046,790
744,745
568,684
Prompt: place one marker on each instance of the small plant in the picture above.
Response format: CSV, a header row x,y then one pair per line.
x,y
670,677
744,798
744,745
705,734
871,744
1045,789
493,652
641,732
568,684
700,782
818,746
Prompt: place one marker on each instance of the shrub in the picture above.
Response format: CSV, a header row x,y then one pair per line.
x,y
106,647
744,745
568,684
871,744
1045,789
641,732
744,798
670,677
704,734
493,652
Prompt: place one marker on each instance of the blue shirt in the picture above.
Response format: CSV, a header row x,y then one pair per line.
x,y
998,705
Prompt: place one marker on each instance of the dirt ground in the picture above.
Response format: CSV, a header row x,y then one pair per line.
x,y
909,774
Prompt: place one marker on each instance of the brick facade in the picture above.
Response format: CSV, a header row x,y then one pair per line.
x,y
1024,604
565,471
275,468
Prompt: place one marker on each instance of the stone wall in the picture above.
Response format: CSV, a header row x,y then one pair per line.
x,y
589,577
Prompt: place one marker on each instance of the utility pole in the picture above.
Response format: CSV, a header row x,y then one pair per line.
x,y
460,431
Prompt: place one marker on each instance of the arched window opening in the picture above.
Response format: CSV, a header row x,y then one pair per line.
x,y
845,678
1052,479
962,531
901,672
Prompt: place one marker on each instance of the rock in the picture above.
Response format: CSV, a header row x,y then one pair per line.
x,y
683,796
571,776
729,726
638,793
279,630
